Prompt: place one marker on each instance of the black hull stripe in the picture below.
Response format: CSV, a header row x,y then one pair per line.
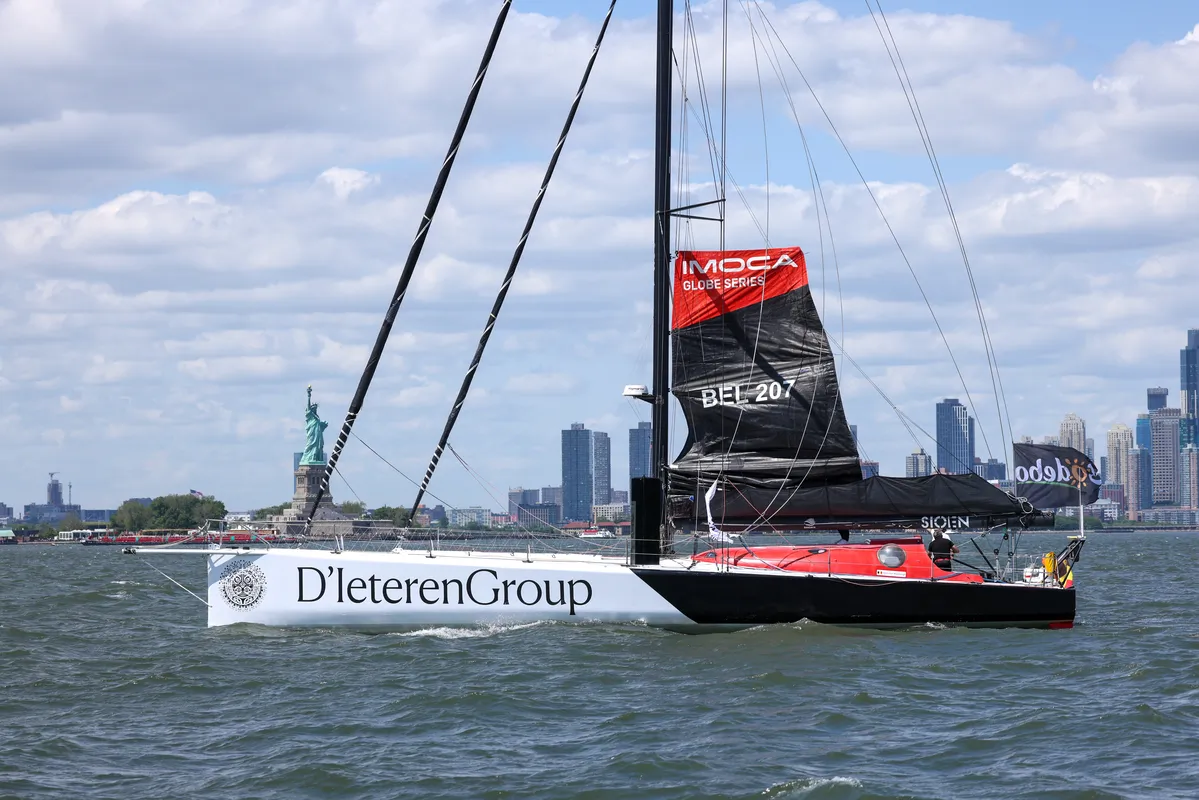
x,y
714,598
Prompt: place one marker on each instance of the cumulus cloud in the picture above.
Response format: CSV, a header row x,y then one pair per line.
x,y
207,208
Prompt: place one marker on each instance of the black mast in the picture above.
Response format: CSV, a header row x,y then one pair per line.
x,y
512,265
414,252
661,439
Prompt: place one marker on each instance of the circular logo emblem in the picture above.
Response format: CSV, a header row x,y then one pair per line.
x,y
242,584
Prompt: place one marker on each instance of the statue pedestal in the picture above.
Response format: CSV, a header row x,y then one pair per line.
x,y
327,522
308,483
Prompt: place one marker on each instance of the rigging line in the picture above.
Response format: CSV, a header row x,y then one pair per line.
x,y
878,207
402,474
765,137
414,252
488,487
177,583
817,197
351,488
707,122
988,341
464,389
909,91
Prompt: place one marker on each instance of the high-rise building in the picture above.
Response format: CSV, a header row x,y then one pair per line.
x,y
1164,430
54,492
955,437
519,497
1053,440
1115,493
1135,492
918,464
1073,432
1189,384
1102,467
853,432
539,515
1156,398
578,478
1119,442
1089,449
640,454
1143,435
1189,477
601,454
990,470
552,495
869,469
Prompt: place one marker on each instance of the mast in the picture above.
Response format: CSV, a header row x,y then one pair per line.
x,y
662,127
410,264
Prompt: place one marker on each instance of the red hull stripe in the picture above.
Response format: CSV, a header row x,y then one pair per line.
x,y
709,283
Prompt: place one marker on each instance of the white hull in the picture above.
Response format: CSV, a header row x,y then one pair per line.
x,y
409,589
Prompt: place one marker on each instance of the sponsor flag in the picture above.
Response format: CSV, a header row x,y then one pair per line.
x,y
1051,477
194,493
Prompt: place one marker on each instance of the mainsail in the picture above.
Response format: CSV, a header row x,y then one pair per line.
x,y
754,373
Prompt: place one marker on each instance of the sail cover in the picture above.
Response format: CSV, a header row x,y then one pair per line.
x,y
755,376
754,373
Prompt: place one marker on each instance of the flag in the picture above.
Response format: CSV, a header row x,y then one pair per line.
x,y
194,493
1052,477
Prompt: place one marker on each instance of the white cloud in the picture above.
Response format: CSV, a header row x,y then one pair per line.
x,y
207,208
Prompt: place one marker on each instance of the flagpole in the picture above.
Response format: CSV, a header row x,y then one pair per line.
x,y
1082,531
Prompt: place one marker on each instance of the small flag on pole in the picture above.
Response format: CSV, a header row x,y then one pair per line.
x,y
197,494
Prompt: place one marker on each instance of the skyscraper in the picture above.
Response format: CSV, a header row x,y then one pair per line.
x,y
601,448
1089,448
640,456
1189,359
54,492
1134,492
1119,442
990,470
1073,432
578,480
955,437
1144,440
1164,431
1189,485
918,464
1156,397
869,469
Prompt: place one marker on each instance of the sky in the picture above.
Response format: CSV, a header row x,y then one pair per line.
x,y
204,208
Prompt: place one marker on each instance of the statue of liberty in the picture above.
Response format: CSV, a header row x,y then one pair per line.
x,y
314,431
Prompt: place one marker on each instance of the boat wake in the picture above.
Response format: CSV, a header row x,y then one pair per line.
x,y
474,632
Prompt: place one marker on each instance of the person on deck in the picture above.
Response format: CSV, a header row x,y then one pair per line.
x,y
942,550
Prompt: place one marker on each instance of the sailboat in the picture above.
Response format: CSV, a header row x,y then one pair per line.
x,y
768,448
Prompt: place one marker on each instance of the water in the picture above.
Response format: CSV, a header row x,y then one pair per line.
x,y
113,688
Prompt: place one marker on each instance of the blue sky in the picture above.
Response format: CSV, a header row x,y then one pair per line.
x,y
204,209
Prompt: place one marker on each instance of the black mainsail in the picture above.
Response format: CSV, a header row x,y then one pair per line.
x,y
755,376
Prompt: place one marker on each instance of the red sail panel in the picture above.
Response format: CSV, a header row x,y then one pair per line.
x,y
709,283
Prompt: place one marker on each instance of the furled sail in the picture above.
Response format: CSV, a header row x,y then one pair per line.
x,y
754,373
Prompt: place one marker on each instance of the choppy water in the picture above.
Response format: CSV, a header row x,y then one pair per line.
x,y
113,688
